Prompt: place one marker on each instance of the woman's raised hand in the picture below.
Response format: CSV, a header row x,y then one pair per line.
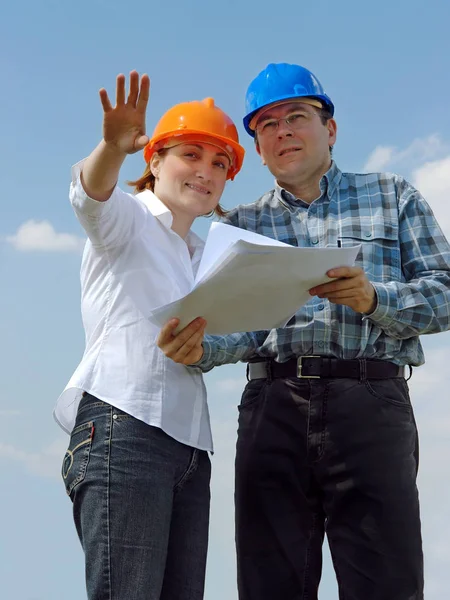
x,y
124,125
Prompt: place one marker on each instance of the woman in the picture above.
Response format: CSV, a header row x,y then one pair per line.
x,y
137,467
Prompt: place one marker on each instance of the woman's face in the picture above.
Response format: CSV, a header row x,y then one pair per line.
x,y
190,177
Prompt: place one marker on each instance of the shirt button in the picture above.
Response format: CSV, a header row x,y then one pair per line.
x,y
315,241
320,344
114,416
368,234
320,307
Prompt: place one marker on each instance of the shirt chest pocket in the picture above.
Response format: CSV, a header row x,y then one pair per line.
x,y
380,249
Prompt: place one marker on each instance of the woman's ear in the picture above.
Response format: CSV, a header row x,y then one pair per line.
x,y
155,162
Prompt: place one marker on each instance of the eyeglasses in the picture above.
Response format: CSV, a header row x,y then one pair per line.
x,y
295,121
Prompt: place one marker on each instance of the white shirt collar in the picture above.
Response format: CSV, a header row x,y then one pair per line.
x,y
165,217
156,207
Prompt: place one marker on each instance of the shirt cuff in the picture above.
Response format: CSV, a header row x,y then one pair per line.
x,y
205,363
387,305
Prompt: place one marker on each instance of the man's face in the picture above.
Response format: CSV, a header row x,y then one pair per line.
x,y
298,147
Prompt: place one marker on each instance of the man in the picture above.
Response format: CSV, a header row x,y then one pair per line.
x,y
327,440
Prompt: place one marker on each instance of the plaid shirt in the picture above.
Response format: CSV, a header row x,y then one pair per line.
x,y
404,254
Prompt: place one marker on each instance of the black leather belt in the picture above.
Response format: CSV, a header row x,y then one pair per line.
x,y
316,367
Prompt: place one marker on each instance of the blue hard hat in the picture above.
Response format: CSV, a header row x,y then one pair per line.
x,y
282,81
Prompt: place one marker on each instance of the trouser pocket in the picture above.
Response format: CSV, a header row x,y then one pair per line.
x,y
76,458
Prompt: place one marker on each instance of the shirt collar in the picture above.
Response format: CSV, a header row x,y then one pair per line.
x,y
333,178
156,207
165,217
328,184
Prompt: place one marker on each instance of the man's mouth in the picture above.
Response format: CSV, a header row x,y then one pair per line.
x,y
286,151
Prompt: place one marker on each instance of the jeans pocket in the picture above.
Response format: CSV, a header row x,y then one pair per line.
x,y
252,393
393,391
76,458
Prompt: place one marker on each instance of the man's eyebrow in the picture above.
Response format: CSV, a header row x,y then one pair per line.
x,y
268,115
265,117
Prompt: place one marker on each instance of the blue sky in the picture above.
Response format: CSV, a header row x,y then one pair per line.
x,y
384,64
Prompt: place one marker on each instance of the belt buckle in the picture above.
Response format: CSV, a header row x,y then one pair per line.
x,y
300,366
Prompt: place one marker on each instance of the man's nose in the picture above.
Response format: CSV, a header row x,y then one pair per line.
x,y
283,129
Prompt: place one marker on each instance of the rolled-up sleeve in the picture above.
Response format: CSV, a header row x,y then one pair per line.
x,y
110,223
228,349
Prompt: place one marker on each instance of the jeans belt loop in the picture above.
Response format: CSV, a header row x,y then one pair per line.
x,y
269,370
362,370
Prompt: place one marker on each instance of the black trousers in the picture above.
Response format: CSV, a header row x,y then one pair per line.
x,y
334,456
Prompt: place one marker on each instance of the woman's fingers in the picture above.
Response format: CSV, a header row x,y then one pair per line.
x,y
138,94
144,93
120,90
133,89
106,104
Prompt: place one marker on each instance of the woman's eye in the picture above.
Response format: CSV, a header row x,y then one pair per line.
x,y
220,164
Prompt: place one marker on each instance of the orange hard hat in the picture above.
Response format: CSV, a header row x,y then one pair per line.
x,y
203,120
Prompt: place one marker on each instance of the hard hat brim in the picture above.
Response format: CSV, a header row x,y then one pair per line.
x,y
234,150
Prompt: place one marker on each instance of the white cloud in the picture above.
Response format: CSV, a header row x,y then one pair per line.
x,y
435,372
433,181
429,385
46,463
426,162
232,384
419,151
379,159
221,570
40,236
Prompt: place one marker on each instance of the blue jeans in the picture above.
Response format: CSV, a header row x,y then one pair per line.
x,y
140,504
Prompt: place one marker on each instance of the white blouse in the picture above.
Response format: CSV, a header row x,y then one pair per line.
x,y
132,263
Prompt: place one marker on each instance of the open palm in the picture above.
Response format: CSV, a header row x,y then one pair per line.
x,y
124,125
